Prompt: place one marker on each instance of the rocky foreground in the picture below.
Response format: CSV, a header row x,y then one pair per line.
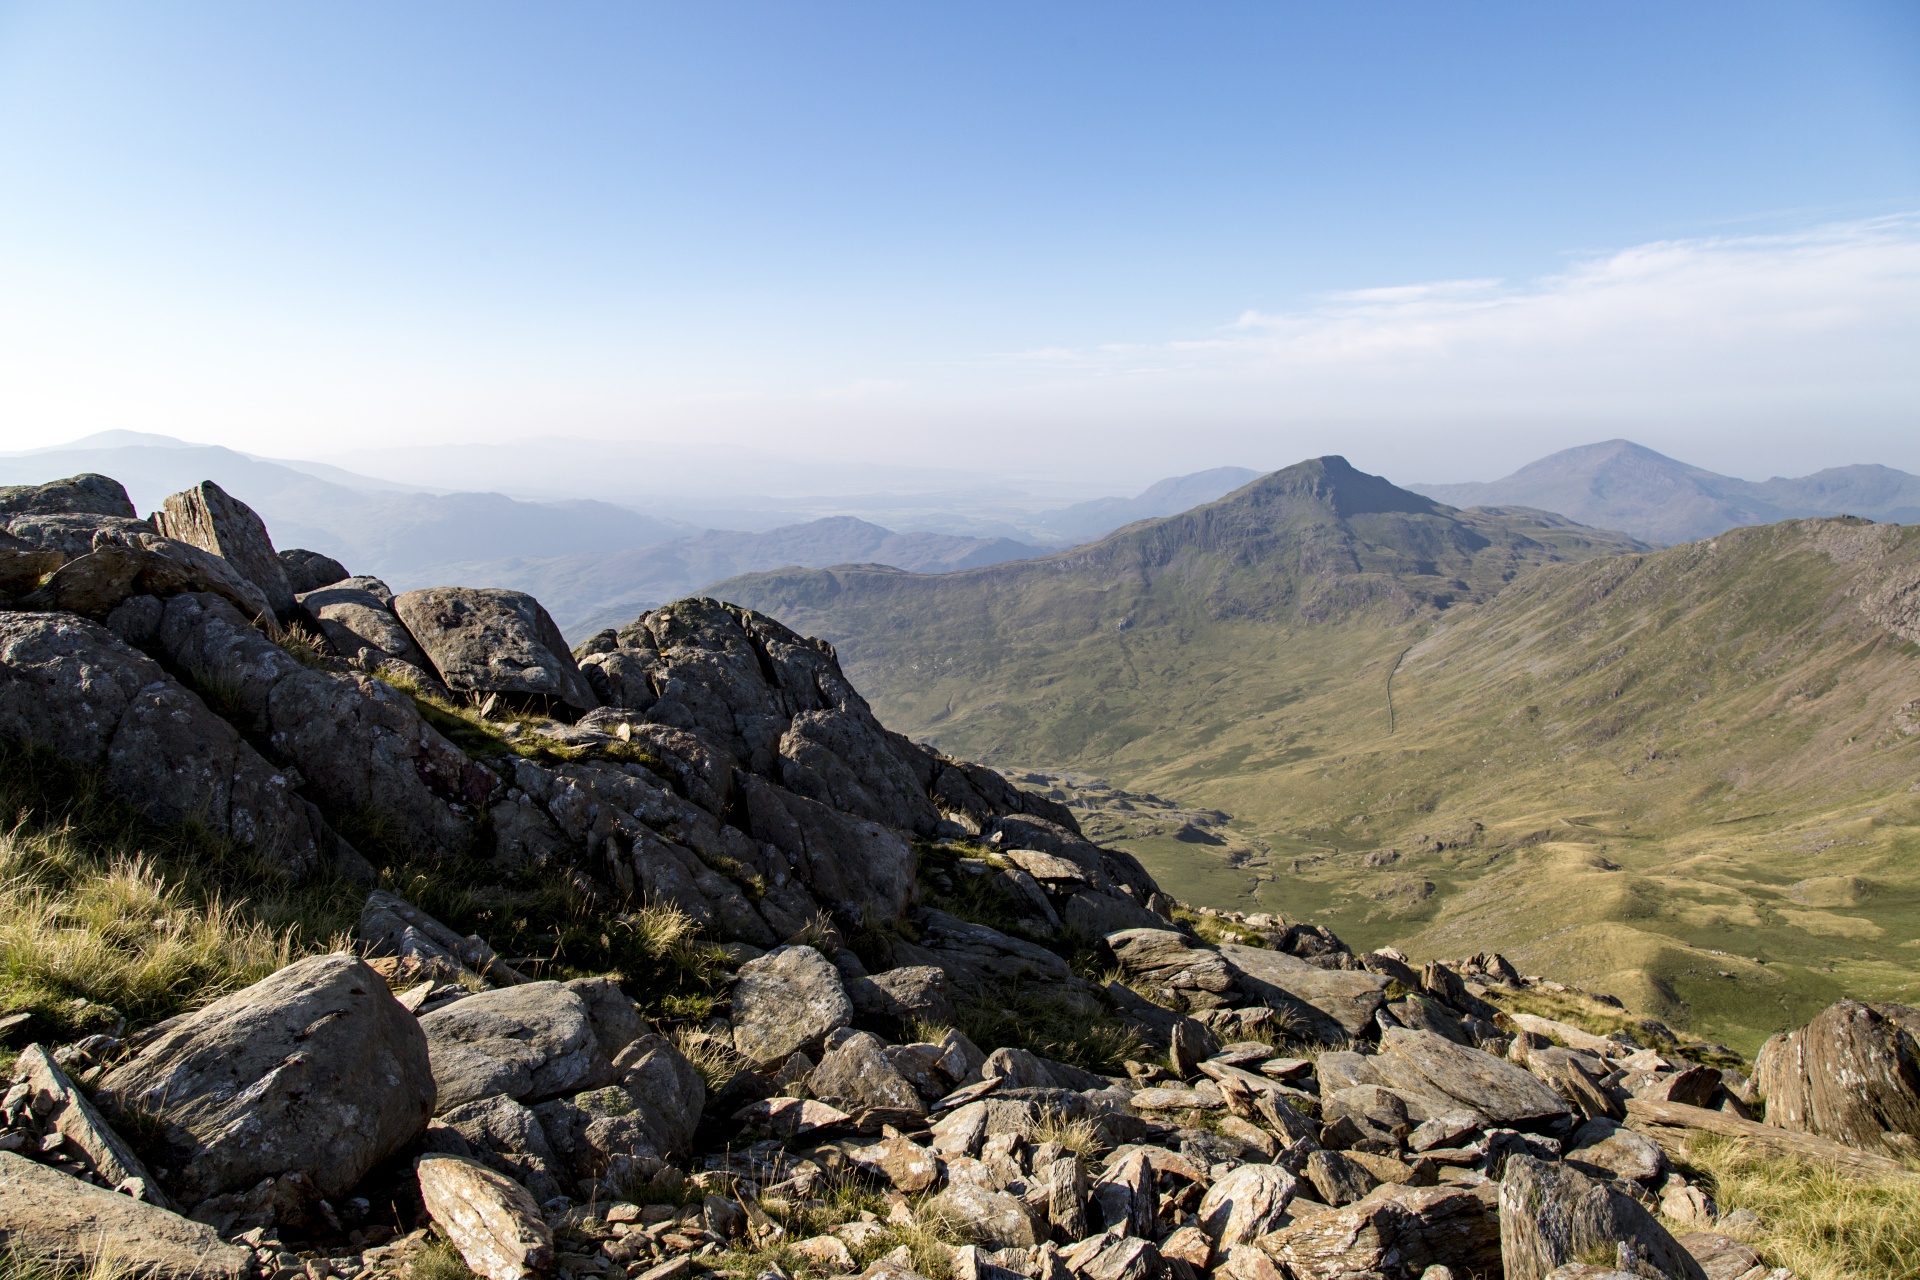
x,y
1269,1106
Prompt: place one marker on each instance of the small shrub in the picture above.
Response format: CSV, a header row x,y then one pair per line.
x,y
712,1055
1081,1135
308,649
439,1260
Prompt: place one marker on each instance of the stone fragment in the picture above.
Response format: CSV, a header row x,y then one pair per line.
x,y
1426,1063
1396,1233
906,1164
208,517
896,998
59,1107
314,1069
1246,1204
1061,1194
1126,1195
1108,1256
1338,1178
310,570
992,1219
356,617
57,1221
1852,1074
508,1138
787,999
1603,1149
829,1253
856,1076
487,1216
1551,1215
1334,1005
792,1117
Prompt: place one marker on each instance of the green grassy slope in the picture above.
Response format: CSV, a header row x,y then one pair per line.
x,y
1686,776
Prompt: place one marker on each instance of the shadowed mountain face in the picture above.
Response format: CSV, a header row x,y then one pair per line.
x,y
1621,485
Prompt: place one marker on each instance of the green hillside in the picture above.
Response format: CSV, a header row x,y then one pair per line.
x,y
1688,776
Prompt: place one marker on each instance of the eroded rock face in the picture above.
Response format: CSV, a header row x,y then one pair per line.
x,y
75,688
488,640
1852,1074
310,570
315,1069
356,616
60,1221
1421,1062
208,517
786,1000
84,494
1551,1215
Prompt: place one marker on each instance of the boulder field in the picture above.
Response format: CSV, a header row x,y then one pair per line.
x,y
1272,1107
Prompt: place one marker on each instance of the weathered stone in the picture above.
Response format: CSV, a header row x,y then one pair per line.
x,y
509,1138
1692,1086
527,1042
1604,1149
208,517
1551,1215
310,570
785,1000
1333,1004
1020,1069
961,1131
1061,1194
1114,1257
392,926
1339,1179
906,1164
1246,1204
1675,1127
86,494
58,1107
896,998
487,1216
1190,1044
794,1117
1126,1195
1724,1258
829,1253
1396,1233
1576,1076
649,1112
489,640
856,1076
1426,1063
356,617
1162,959
315,1069
991,1219
58,1221
1852,1074
77,689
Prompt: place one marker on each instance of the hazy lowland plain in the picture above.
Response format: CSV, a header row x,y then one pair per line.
x,y
1685,775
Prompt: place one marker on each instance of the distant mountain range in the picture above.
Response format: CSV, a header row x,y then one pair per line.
x,y
1618,484
1682,775
1084,521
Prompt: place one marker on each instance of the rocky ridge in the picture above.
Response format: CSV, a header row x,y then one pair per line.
x,y
1231,1095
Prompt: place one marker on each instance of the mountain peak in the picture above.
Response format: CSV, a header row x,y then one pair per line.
x,y
1345,488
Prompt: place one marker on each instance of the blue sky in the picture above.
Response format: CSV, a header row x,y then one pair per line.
x,y
1121,237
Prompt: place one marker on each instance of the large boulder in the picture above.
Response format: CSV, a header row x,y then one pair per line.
x,y
1164,961
208,517
61,1222
1246,1204
528,1042
85,494
78,690
315,1069
1331,1004
1852,1074
356,616
123,559
1420,1062
855,1076
1551,1215
508,1138
650,1111
490,640
785,1000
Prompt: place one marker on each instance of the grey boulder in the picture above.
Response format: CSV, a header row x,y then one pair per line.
x,y
528,1043
785,1000
1551,1215
315,1069
1332,1004
356,616
856,1076
86,494
489,640
1421,1062
309,570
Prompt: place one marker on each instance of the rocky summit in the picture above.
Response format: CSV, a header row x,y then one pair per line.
x,y
663,957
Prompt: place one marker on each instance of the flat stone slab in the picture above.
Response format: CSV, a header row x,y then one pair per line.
x,y
49,1217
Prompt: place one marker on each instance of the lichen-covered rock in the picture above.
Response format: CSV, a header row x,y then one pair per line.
x,y
487,1216
856,1076
1334,1004
489,640
1246,1204
1421,1062
61,1222
785,1000
1396,1233
314,1069
208,517
78,690
1852,1074
84,494
649,1112
508,1138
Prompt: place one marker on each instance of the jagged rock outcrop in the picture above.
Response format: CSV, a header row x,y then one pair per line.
x,y
310,570
208,517
87,494
356,616
75,688
493,641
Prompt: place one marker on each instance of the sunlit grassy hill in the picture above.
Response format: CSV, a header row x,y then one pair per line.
x,y
1691,777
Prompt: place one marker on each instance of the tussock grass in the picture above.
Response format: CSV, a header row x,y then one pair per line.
x,y
101,912
307,648
1815,1221
711,1054
438,1261
1081,1034
1081,1136
486,736
103,1266
1215,930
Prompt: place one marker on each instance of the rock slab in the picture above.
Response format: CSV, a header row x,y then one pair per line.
x,y
487,1216
49,1217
